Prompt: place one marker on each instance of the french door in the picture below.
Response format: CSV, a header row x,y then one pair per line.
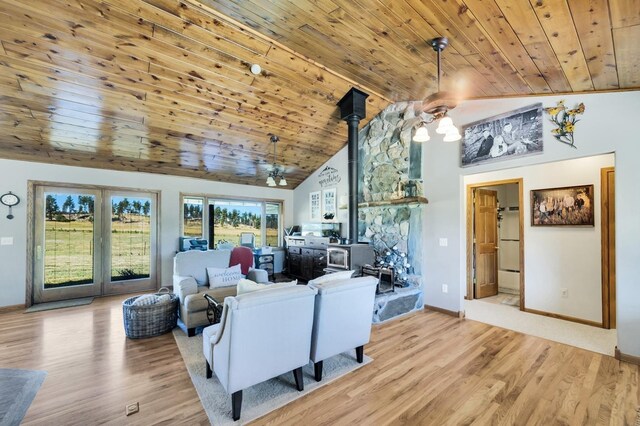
x,y
93,241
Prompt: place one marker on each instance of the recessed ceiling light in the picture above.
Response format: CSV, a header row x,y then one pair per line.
x,y
256,69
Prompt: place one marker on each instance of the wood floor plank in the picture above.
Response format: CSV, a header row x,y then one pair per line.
x,y
428,368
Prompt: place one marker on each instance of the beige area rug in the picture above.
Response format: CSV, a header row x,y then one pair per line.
x,y
593,339
262,398
17,390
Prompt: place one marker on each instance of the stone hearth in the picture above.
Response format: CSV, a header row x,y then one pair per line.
x,y
387,217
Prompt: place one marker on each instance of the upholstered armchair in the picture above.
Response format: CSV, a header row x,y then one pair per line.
x,y
261,335
342,319
190,281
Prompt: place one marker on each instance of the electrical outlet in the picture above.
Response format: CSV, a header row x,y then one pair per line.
x,y
564,292
445,288
444,242
132,408
6,241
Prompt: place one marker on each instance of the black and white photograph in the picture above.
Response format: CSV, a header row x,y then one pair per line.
x,y
506,136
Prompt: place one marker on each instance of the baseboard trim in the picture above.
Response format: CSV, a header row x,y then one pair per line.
x,y
457,314
11,308
563,317
631,359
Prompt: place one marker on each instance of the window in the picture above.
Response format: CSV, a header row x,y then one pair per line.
x,y
192,214
225,219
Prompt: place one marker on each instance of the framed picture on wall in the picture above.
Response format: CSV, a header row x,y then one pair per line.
x,y
502,137
567,206
329,204
315,209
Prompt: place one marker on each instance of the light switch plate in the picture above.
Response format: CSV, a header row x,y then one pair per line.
x,y
444,242
6,241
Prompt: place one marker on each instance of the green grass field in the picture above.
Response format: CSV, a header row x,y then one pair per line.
x,y
69,251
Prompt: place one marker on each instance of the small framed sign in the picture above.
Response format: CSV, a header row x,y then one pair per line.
x,y
315,208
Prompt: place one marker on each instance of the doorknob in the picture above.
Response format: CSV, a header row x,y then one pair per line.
x,y
496,247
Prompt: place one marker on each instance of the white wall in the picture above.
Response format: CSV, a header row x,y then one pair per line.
x,y
15,174
311,184
560,257
608,125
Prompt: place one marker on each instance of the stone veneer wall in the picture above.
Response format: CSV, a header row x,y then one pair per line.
x,y
384,146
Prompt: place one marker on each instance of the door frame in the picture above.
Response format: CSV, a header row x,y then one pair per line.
x,y
608,290
470,190
31,226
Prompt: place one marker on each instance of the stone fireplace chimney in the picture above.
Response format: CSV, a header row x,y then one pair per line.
x,y
352,110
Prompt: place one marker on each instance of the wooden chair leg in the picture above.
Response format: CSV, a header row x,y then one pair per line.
x,y
297,374
209,372
317,369
236,404
191,332
360,354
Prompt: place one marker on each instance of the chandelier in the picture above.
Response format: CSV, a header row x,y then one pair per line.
x,y
277,172
438,105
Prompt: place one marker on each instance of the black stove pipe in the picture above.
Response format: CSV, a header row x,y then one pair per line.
x,y
352,110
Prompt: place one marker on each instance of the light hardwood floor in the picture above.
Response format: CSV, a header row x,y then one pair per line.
x,y
428,368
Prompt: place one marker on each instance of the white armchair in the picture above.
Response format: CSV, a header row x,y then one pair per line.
x,y
261,335
342,319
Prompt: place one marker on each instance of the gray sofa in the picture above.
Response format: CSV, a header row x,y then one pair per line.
x,y
190,283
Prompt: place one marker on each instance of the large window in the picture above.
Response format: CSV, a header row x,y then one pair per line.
x,y
224,220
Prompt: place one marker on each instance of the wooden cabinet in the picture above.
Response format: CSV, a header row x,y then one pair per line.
x,y
306,263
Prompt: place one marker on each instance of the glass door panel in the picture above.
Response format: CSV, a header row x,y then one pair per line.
x,y
67,244
132,242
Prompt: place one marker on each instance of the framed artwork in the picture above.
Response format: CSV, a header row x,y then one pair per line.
x,y
568,206
315,212
329,204
503,137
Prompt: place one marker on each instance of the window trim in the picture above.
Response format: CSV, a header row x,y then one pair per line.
x,y
205,212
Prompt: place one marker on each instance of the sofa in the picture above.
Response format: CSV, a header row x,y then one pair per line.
x,y
261,335
190,283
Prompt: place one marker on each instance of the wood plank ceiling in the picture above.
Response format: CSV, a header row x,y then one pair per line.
x,y
164,86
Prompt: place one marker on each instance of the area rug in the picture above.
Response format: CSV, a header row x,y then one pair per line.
x,y
17,390
59,305
262,398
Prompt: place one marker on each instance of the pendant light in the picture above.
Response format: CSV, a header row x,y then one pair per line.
x,y
277,172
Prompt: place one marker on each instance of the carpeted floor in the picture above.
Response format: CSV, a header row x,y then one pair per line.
x,y
17,390
59,305
262,398
570,333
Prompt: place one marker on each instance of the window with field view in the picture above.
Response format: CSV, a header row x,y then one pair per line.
x,y
231,218
68,239
192,217
130,238
224,220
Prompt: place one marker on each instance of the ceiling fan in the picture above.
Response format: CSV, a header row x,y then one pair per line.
x,y
438,104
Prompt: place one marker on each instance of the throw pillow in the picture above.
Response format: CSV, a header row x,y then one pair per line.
x,y
248,286
335,276
224,277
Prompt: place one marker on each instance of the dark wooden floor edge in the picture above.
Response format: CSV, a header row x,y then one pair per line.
x,y
457,314
631,359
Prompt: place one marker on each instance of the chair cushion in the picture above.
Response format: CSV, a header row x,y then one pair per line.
x,y
224,277
197,302
247,286
335,276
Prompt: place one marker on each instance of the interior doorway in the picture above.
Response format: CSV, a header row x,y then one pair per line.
x,y
495,242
